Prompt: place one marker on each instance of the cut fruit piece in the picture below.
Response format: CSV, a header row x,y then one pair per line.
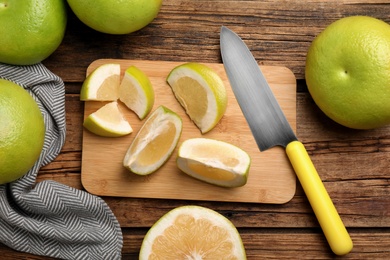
x,y
214,162
154,142
102,84
201,92
192,232
108,121
136,92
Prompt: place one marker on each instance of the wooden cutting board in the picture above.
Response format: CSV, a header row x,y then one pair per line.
x,y
271,178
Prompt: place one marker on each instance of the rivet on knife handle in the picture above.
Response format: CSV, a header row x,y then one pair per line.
x,y
326,213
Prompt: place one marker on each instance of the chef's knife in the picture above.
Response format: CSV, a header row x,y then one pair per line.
x,y
270,128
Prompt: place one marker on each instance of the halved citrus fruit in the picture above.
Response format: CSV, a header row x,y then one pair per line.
x,y
192,232
154,142
201,92
108,121
102,84
136,92
216,162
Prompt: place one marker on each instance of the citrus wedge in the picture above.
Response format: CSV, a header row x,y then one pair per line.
x,y
214,162
136,92
108,121
201,92
192,232
102,84
154,142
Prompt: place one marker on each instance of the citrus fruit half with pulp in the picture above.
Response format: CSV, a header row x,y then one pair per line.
x,y
192,232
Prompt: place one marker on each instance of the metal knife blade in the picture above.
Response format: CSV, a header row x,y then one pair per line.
x,y
270,127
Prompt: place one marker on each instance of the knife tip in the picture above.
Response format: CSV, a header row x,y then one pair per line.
x,y
224,31
224,28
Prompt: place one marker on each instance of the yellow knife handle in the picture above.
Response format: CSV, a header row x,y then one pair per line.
x,y
326,213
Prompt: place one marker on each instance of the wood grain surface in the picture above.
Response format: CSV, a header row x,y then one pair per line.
x,y
271,178
354,165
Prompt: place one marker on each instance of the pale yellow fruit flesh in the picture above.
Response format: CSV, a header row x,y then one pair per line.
x,y
185,90
210,154
210,172
136,92
214,161
128,93
154,142
192,232
216,246
158,144
108,89
108,121
111,115
102,84
201,92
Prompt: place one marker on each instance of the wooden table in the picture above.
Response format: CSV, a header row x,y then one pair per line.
x,y
354,165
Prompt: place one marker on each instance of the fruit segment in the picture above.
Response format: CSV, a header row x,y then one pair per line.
x,y
102,84
201,92
154,142
108,121
214,161
136,92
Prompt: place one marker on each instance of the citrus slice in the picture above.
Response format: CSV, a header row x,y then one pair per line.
x,y
136,92
154,142
201,92
102,84
192,232
214,162
108,121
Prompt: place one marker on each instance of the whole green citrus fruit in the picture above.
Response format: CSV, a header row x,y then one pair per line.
x,y
116,16
22,131
30,30
348,72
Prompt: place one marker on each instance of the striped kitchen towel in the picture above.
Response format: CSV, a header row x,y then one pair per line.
x,y
49,218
